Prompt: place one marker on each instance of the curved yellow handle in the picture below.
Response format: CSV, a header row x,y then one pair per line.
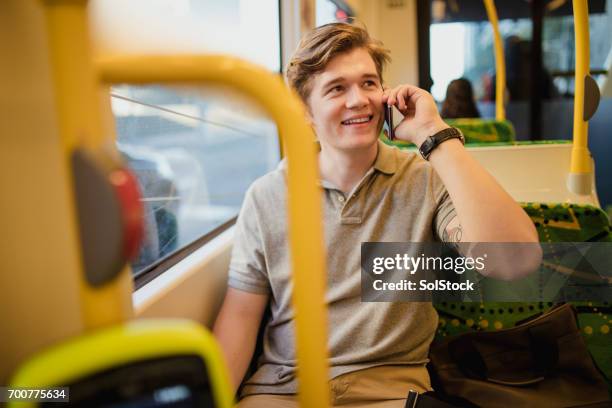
x,y
500,62
305,209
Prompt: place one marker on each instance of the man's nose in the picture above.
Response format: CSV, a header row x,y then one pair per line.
x,y
356,98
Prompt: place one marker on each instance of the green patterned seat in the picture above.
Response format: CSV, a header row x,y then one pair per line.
x,y
484,130
554,223
409,146
569,222
476,131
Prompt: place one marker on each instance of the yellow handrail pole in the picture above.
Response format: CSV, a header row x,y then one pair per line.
x,y
500,63
304,196
79,119
581,172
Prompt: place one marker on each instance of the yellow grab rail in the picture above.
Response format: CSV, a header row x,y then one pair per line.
x,y
304,196
80,124
581,169
500,63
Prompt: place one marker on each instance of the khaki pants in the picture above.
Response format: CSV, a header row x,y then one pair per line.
x,y
376,387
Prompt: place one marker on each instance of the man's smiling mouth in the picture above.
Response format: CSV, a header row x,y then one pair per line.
x,y
358,121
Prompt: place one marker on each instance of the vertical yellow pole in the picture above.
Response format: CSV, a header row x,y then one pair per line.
x,y
79,119
581,172
500,62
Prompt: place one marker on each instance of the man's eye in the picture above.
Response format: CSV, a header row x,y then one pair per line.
x,y
336,89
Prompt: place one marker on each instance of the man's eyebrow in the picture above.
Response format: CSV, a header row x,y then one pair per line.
x,y
333,81
371,76
336,80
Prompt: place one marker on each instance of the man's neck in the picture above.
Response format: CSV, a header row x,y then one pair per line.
x,y
346,169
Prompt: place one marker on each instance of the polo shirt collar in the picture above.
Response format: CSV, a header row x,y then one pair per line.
x,y
386,160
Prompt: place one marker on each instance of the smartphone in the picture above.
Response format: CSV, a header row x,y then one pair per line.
x,y
388,125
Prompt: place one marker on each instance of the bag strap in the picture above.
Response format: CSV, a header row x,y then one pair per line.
x,y
430,399
542,344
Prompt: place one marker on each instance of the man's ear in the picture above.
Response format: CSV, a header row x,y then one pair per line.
x,y
310,120
308,115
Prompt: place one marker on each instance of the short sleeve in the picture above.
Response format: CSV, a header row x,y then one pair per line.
x,y
247,269
445,210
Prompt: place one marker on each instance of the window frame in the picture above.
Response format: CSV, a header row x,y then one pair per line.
x,y
160,266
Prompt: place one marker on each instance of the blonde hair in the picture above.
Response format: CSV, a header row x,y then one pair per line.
x,y
321,45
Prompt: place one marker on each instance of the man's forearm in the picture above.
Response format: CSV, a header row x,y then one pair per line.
x,y
236,330
486,211
237,351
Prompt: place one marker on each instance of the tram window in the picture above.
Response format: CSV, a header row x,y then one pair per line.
x,y
237,27
194,154
462,46
465,49
194,157
559,49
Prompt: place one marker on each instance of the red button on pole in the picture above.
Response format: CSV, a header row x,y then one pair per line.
x,y
128,193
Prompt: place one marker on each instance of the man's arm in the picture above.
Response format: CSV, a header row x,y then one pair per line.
x,y
485,211
236,329
485,214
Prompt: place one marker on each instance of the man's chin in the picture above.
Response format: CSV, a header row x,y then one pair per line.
x,y
360,143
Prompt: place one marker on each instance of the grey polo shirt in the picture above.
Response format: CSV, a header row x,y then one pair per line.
x,y
400,199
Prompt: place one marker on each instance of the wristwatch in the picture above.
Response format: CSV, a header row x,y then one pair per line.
x,y
434,141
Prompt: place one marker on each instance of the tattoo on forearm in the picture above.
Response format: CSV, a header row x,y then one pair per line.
x,y
453,234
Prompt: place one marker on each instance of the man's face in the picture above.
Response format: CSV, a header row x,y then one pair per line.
x,y
346,102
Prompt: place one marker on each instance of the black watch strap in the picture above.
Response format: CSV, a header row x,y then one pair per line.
x,y
434,141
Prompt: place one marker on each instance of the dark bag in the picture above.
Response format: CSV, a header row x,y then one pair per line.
x,y
540,363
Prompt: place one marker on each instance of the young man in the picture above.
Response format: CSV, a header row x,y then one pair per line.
x,y
372,192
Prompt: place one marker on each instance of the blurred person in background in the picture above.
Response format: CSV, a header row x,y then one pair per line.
x,y
459,101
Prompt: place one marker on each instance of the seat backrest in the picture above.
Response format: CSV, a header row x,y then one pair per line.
x,y
557,222
478,130
475,130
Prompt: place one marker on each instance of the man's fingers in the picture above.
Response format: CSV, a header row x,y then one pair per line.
x,y
403,98
395,97
392,96
421,93
408,105
408,96
413,93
